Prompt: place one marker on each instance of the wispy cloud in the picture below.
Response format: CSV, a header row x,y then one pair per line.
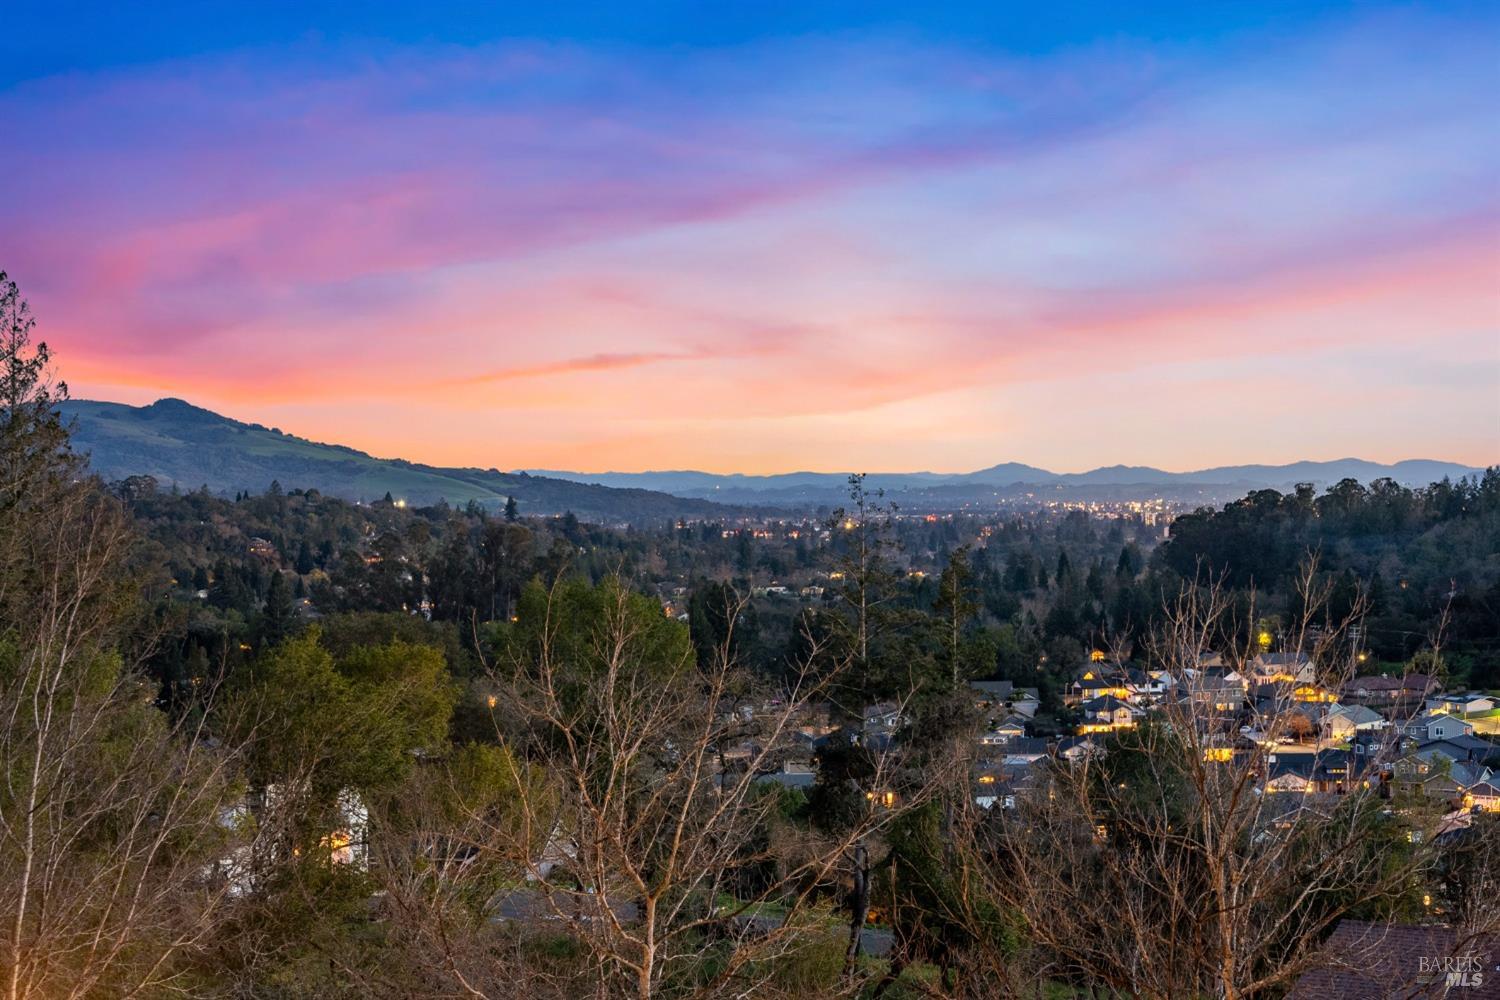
x,y
592,363
799,241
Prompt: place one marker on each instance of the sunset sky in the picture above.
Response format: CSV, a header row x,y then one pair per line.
x,y
776,237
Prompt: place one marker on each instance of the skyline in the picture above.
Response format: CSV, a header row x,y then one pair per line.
x,y
824,241
74,404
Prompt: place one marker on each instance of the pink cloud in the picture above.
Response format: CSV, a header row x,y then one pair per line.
x,y
635,260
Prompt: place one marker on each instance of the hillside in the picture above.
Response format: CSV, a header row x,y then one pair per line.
x,y
178,443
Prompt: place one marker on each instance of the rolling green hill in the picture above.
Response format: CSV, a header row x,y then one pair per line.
x,y
178,443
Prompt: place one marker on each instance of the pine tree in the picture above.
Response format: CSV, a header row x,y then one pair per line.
x,y
278,619
955,608
512,511
33,439
304,564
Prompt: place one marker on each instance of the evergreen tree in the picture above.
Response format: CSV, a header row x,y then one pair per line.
x,y
1094,582
512,511
746,553
33,440
278,618
711,623
955,609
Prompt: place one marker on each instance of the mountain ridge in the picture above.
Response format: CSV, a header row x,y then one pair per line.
x,y
1408,471
178,442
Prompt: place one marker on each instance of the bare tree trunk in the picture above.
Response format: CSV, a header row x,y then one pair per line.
x,y
859,906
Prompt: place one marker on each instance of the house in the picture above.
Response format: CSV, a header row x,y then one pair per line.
x,y
883,715
1483,795
1334,772
1431,726
1327,772
1025,701
1093,685
1145,687
1076,748
740,751
1214,691
1467,749
808,740
1467,775
1289,772
1284,668
1370,961
989,792
1013,726
1023,752
1107,713
1005,731
1220,670
991,694
999,786
791,775
1432,772
262,548
1315,693
1379,691
1472,703
1286,812
1373,743
1342,721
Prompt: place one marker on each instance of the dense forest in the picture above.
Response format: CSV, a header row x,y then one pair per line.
x,y
238,574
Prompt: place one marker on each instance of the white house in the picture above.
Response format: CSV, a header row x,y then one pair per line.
x,y
1463,704
1005,731
1343,721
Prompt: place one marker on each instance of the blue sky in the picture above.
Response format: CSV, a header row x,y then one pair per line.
x,y
758,237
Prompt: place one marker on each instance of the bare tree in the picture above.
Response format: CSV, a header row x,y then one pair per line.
x,y
1172,864
109,812
637,821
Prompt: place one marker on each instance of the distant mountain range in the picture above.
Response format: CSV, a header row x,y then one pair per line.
x,y
179,443
1118,482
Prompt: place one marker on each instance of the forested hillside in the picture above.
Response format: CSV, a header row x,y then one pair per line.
x,y
1411,554
1044,590
188,447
